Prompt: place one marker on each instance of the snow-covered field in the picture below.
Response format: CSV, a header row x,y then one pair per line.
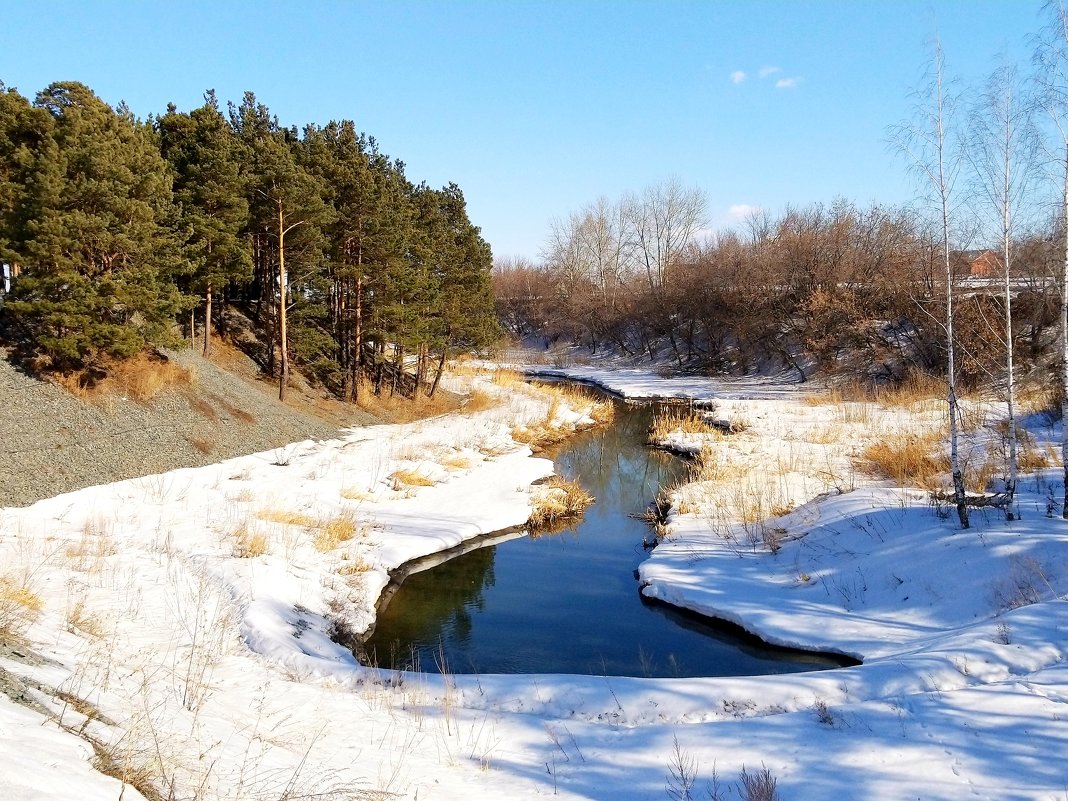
x,y
184,622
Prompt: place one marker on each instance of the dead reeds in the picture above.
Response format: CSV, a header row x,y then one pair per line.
x,y
910,460
556,501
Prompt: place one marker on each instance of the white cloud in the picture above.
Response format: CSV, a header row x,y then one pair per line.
x,y
739,211
769,70
738,76
787,83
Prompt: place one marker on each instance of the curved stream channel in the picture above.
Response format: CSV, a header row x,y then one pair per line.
x,y
569,602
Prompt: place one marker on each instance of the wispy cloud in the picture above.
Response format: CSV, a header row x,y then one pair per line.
x,y
739,211
770,72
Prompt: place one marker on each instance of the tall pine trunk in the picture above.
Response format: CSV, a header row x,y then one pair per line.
x,y
207,321
441,369
283,350
357,340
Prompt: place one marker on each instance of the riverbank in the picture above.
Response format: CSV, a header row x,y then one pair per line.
x,y
57,442
186,617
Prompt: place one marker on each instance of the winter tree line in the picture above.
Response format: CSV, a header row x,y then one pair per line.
x,y
117,233
969,282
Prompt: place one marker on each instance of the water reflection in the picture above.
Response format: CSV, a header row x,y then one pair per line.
x,y
568,602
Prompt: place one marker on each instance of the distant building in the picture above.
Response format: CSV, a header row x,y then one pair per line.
x,y
977,263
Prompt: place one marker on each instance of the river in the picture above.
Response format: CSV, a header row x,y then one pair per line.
x,y
568,602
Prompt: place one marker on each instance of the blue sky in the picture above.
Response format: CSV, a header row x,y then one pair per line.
x,y
537,108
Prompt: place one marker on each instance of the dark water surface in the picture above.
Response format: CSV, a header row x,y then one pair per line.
x,y
569,602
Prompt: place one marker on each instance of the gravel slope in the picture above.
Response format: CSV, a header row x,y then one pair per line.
x,y
52,442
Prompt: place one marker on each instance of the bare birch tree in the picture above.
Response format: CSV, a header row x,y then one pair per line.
x,y
1002,153
1051,58
662,221
928,143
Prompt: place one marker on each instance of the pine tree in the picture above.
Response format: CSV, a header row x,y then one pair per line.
x,y
23,131
100,257
208,189
367,234
459,288
286,212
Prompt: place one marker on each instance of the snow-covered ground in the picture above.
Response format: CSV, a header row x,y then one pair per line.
x,y
185,617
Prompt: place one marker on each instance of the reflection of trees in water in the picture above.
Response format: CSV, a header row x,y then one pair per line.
x,y
436,600
615,464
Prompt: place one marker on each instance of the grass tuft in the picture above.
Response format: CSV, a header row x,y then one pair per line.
x,y
909,460
398,409
286,517
333,531
19,606
248,544
674,421
555,501
479,400
411,478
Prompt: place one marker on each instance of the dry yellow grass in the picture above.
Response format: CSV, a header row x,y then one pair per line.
x,y
848,392
915,387
352,567
333,531
19,605
855,413
710,465
539,436
508,378
908,460
204,445
144,376
398,409
549,430
603,411
1030,459
248,544
286,517
681,420
356,494
980,480
1042,399
479,400
78,618
557,500
93,547
457,461
411,478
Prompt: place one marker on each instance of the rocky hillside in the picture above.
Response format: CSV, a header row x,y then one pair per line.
x,y
54,441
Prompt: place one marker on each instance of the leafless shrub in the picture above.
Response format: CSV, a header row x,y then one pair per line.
x,y
682,773
1028,583
824,714
759,785
1003,635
